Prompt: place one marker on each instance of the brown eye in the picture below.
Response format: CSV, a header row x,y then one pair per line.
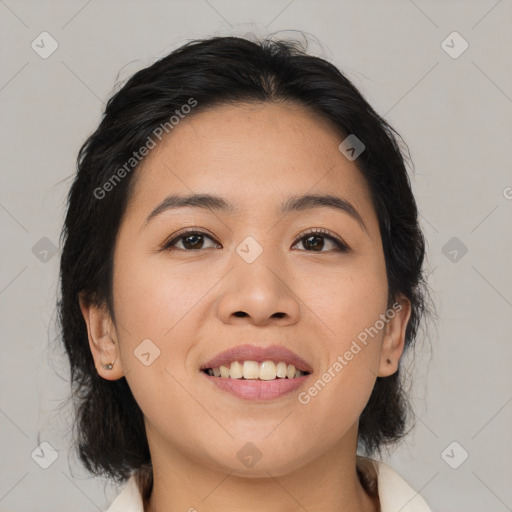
x,y
190,240
314,241
193,241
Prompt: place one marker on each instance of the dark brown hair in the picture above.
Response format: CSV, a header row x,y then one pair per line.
x,y
110,433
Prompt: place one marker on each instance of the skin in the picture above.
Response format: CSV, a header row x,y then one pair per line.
x,y
256,156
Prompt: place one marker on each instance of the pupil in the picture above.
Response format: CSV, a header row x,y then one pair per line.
x,y
189,237
315,245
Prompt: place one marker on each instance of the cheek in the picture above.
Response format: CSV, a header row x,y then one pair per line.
x,y
165,303
344,301
153,307
162,304
151,298
347,308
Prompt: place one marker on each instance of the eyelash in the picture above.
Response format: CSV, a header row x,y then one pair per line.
x,y
325,233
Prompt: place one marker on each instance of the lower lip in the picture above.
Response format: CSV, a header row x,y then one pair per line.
x,y
257,389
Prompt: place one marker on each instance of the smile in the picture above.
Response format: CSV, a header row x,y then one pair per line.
x,y
266,370
253,372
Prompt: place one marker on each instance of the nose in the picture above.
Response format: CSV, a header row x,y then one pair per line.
x,y
258,293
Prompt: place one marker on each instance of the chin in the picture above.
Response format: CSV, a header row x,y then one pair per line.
x,y
257,460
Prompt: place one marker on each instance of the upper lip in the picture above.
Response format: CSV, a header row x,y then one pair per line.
x,y
259,354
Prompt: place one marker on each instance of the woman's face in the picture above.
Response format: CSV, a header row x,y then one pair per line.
x,y
252,276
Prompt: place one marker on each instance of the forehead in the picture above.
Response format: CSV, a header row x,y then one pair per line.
x,y
254,155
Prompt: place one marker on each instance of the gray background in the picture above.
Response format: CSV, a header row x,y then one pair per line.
x,y
454,113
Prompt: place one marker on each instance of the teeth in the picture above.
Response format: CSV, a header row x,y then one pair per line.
x,y
267,370
251,370
281,370
235,372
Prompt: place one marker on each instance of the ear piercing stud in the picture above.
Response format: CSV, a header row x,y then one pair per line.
x,y
109,366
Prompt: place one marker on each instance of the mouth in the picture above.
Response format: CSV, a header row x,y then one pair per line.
x,y
252,370
256,363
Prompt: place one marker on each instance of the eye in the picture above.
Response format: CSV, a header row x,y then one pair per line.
x,y
191,241
314,240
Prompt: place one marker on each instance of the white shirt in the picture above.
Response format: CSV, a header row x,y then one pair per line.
x,y
395,494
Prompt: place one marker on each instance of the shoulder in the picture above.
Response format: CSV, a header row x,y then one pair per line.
x,y
129,499
393,491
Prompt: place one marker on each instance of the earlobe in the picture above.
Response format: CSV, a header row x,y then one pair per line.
x,y
393,343
102,340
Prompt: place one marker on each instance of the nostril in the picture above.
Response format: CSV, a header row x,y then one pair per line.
x,y
240,313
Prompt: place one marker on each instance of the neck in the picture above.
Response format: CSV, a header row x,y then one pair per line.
x,y
329,483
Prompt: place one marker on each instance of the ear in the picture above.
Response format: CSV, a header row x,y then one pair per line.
x,y
102,338
393,343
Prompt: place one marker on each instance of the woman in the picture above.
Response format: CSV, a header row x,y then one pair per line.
x,y
241,274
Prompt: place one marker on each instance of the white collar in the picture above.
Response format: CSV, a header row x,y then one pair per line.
x,y
395,494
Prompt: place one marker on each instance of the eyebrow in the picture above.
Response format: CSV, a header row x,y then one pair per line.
x,y
292,204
